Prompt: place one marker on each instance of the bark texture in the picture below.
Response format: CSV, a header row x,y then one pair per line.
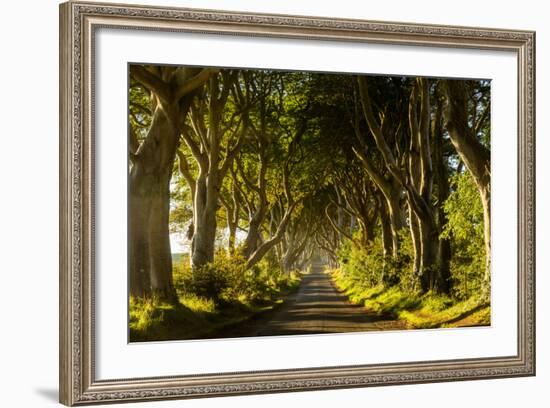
x,y
151,164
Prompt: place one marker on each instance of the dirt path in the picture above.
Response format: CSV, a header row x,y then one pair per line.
x,y
316,308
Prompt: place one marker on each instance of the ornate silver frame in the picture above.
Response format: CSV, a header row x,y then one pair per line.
x,y
78,384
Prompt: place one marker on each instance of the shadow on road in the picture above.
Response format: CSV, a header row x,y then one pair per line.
x,y
316,308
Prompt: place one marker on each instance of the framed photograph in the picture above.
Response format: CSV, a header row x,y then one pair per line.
x,y
256,203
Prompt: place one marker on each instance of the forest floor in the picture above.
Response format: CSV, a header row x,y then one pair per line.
x,y
317,307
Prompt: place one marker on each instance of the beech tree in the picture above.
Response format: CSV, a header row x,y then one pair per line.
x,y
214,139
416,178
464,130
171,90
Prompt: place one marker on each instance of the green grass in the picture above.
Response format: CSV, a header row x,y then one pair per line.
x,y
195,317
156,320
198,304
471,312
391,301
417,311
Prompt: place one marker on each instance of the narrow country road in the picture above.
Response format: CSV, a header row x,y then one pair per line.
x,y
316,308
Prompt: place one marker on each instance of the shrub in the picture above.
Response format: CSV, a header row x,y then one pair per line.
x,y
367,267
227,279
218,280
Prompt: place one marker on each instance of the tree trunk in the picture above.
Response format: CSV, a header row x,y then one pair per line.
x,y
387,240
204,224
295,248
149,252
159,245
253,236
233,214
261,251
429,245
232,227
208,151
264,247
288,261
340,216
444,281
204,238
486,202
475,156
385,224
138,240
152,161
419,187
352,224
414,226
396,219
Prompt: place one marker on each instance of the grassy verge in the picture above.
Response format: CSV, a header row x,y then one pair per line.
x,y
417,311
195,317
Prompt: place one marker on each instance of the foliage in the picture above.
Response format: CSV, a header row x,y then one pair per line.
x,y
228,280
367,267
446,313
139,110
387,287
152,319
181,208
415,310
465,227
219,295
391,301
269,160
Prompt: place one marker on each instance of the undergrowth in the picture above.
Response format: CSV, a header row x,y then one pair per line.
x,y
418,311
218,295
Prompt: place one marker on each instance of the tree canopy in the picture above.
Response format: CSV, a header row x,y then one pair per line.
x,y
390,175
